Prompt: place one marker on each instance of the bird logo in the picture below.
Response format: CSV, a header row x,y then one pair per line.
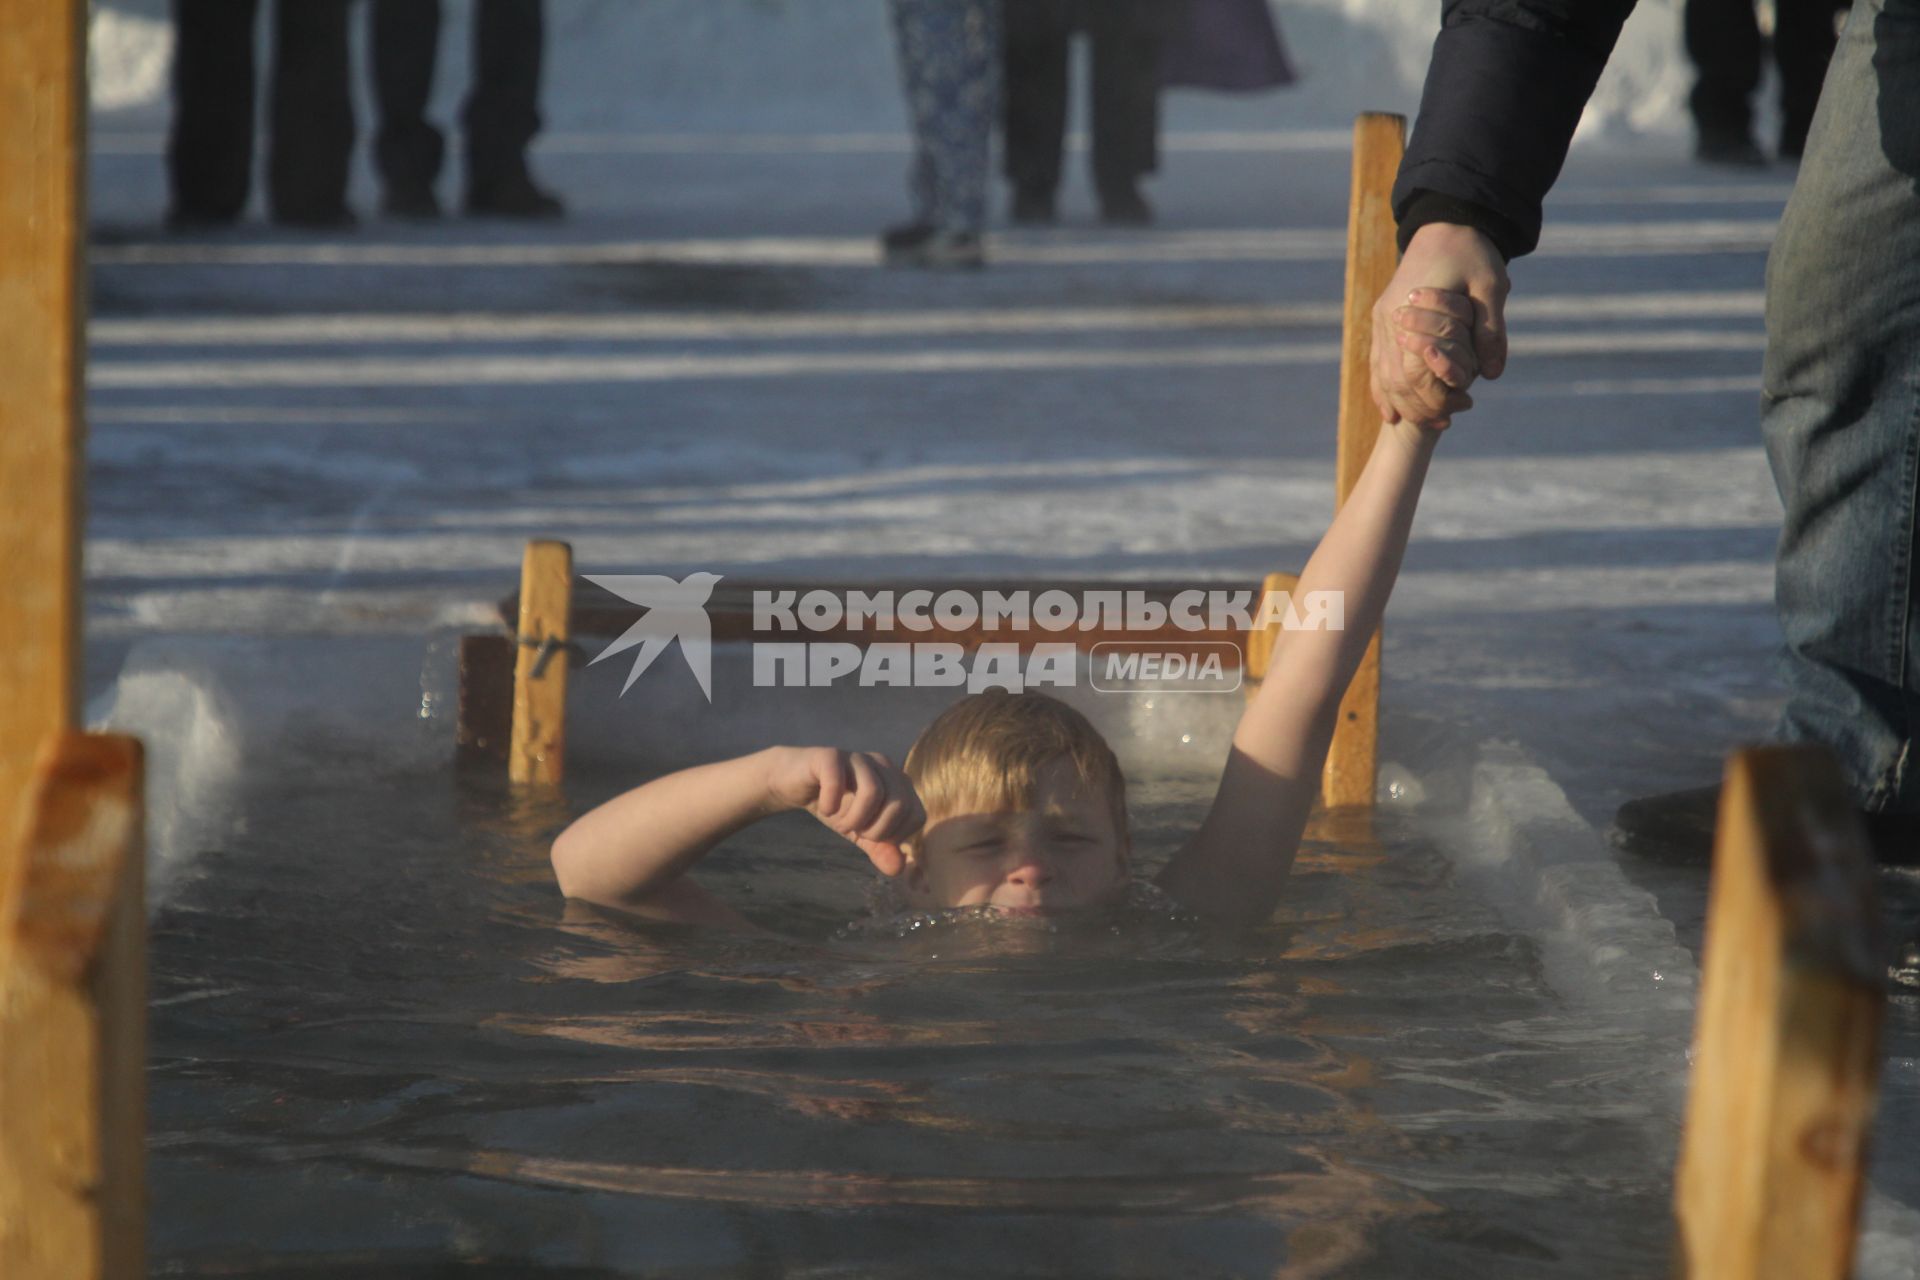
x,y
674,611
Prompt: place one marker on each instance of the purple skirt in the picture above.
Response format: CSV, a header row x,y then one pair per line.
x,y
1225,44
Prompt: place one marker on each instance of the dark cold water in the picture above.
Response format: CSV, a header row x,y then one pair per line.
x,y
381,1046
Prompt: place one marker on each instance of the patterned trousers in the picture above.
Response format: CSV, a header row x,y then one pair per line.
x,y
950,58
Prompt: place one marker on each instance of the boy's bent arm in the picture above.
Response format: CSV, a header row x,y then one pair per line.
x,y
1235,865
632,852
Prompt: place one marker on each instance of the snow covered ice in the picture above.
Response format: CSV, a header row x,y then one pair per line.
x,y
311,456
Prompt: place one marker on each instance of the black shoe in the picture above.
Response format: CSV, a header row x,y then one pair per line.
x,y
1032,207
1793,139
515,197
905,237
1678,826
411,202
1675,826
1896,838
334,218
937,249
186,221
1733,150
1125,207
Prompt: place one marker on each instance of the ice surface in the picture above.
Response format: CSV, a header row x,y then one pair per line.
x,y
217,712
191,727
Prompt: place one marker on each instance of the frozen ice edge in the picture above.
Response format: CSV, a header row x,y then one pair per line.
x,y
1521,844
1603,940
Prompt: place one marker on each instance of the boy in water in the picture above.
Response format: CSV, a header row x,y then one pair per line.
x,y
1013,802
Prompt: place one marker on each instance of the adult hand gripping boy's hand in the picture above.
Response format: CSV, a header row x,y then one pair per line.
x,y
1435,327
1408,381
860,795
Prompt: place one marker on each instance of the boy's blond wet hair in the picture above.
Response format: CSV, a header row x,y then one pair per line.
x,y
985,754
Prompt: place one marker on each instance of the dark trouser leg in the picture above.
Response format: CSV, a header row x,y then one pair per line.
x,y
1723,39
312,112
1126,90
210,151
1803,40
1841,411
1038,33
502,114
406,44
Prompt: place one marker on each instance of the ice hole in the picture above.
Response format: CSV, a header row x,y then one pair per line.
x,y
364,980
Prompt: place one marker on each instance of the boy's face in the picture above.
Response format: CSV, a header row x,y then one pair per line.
x,y
1064,852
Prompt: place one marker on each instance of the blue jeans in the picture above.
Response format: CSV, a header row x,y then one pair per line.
x,y
950,70
1841,411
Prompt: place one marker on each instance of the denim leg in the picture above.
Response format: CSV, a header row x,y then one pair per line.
x,y
950,71
1841,411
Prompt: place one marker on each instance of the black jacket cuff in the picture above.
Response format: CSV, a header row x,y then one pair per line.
x,y
1436,206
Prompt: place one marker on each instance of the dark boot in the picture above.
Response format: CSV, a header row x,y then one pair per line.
x,y
1733,150
502,114
407,149
1678,826
1126,38
511,195
1122,205
1033,207
410,201
1034,104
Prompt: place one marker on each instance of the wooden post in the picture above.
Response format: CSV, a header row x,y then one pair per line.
x,y
1786,1046
73,1019
42,134
72,864
538,751
1373,255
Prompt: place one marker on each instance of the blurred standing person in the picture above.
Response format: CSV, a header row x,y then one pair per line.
x,y
309,114
950,72
1126,37
1723,40
500,118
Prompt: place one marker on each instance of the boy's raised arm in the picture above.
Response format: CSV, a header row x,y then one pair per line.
x,y
1234,866
634,851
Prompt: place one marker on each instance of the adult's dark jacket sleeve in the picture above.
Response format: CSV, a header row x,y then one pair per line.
x,y
1508,81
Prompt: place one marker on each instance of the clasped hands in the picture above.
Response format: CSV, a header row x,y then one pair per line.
x,y
1439,325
